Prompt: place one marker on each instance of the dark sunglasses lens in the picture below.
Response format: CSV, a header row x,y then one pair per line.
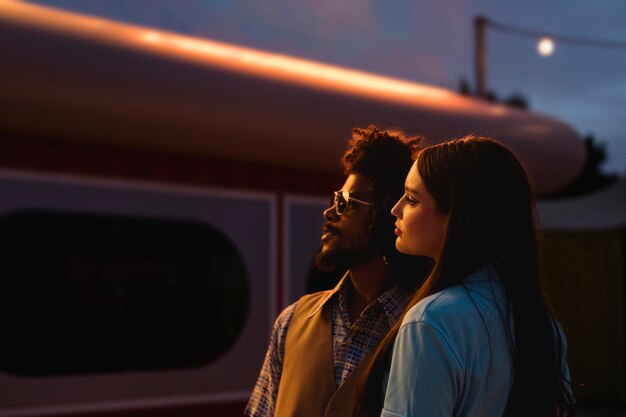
x,y
342,204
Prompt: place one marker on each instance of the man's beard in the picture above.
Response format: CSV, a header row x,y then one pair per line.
x,y
340,260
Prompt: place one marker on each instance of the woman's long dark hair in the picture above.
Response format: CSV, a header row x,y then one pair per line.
x,y
485,192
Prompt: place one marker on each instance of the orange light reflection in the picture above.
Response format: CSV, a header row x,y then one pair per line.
x,y
282,65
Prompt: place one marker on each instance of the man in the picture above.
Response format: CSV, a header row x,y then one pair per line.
x,y
320,344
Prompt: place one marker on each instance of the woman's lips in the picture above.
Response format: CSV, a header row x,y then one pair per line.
x,y
397,231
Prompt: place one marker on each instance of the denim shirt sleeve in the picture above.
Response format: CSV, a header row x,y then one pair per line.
x,y
425,376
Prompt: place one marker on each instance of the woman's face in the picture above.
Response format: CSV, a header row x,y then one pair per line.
x,y
420,226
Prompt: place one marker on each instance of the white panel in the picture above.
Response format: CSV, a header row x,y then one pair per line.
x,y
247,218
302,232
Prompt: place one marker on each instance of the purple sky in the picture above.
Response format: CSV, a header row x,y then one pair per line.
x,y
428,42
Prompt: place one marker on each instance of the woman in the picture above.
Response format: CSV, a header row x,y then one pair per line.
x,y
477,338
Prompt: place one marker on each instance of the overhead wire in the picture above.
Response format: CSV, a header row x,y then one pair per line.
x,y
560,38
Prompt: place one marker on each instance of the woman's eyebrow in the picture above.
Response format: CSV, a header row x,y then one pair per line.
x,y
411,190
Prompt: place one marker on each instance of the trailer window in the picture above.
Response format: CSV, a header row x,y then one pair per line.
x,y
86,293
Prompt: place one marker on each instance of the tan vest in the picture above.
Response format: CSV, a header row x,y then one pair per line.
x,y
307,383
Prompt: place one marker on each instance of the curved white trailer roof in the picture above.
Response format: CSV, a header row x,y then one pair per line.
x,y
70,76
602,210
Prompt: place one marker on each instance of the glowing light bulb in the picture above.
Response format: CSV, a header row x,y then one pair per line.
x,y
545,47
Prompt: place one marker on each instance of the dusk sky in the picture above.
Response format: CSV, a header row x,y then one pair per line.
x,y
428,42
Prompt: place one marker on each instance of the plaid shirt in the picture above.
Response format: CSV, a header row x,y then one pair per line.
x,y
351,341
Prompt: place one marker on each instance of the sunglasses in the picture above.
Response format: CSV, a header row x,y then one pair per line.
x,y
341,200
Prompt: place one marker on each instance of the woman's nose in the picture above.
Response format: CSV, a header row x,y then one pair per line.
x,y
397,209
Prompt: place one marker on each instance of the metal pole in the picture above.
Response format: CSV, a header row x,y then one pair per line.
x,y
480,24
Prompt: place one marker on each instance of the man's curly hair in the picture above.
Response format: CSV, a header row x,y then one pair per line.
x,y
384,158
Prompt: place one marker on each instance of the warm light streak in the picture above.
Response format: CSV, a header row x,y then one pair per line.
x,y
545,47
282,65
152,37
254,63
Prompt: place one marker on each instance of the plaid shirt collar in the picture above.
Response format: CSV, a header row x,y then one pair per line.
x,y
393,301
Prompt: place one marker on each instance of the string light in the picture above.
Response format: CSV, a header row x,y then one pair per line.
x,y
545,46
543,36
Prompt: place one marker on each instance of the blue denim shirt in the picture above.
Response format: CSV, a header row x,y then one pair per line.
x,y
452,355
